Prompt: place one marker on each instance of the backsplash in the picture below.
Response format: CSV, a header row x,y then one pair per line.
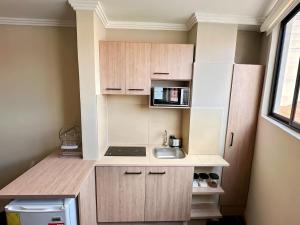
x,y
131,121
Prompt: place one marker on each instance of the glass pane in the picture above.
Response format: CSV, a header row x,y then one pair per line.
x,y
297,115
288,68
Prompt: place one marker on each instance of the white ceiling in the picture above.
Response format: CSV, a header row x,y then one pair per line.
x,y
152,11
178,11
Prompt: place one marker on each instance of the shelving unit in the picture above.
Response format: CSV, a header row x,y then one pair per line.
x,y
205,211
207,190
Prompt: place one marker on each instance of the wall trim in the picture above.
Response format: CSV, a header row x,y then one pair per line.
x,y
225,19
145,26
278,12
96,6
91,5
36,22
247,23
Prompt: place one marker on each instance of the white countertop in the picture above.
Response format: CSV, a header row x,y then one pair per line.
x,y
150,160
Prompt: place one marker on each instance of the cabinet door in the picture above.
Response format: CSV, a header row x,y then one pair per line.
x,y
160,62
112,67
244,106
120,194
172,61
138,68
181,61
168,193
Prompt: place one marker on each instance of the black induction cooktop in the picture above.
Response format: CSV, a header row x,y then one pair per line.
x,y
125,151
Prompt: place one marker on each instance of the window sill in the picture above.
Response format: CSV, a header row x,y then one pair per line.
x,y
282,127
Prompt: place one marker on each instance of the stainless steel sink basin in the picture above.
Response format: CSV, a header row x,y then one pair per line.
x,y
168,153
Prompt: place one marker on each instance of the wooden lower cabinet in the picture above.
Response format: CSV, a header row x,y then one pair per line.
x,y
168,193
136,194
120,194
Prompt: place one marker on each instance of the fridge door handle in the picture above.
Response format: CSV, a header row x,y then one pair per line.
x,y
33,209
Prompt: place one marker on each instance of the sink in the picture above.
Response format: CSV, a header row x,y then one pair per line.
x,y
168,153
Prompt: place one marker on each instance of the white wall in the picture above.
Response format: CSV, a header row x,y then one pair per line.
x,y
89,31
274,195
211,87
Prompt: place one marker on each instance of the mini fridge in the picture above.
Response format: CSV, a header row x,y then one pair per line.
x,y
42,212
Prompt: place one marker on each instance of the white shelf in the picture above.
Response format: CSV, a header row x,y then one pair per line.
x,y
169,107
205,211
207,190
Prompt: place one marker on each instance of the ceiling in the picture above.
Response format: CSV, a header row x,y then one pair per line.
x,y
178,11
152,11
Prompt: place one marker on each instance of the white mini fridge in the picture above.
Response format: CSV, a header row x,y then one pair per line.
x,y
42,212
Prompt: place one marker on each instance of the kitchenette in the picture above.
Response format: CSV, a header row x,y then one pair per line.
x,y
161,118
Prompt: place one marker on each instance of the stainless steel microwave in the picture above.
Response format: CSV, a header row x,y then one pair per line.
x,y
170,96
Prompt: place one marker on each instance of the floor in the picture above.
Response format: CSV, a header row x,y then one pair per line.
x,y
2,218
223,221
231,220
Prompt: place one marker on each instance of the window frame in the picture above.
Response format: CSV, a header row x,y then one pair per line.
x,y
289,122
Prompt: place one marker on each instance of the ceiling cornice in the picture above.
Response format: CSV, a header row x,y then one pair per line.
x,y
218,18
91,5
145,26
95,5
277,13
36,22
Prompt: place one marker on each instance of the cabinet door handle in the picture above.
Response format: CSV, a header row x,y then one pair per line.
x,y
113,89
135,89
132,173
158,73
231,141
157,173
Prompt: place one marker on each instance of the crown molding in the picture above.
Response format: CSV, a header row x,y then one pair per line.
x,y
277,13
95,5
36,22
219,18
145,26
91,5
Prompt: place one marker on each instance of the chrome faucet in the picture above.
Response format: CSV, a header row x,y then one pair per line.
x,y
165,142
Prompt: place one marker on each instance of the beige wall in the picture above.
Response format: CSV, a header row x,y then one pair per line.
x,y
176,37
248,47
39,93
274,195
132,122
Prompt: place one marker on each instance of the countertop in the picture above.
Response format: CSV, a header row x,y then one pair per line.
x,y
56,177
150,160
53,177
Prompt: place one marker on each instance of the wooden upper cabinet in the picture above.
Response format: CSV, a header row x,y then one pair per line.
x,y
120,194
112,67
138,68
172,61
127,67
168,193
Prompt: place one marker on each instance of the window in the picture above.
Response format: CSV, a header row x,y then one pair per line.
x,y
285,96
